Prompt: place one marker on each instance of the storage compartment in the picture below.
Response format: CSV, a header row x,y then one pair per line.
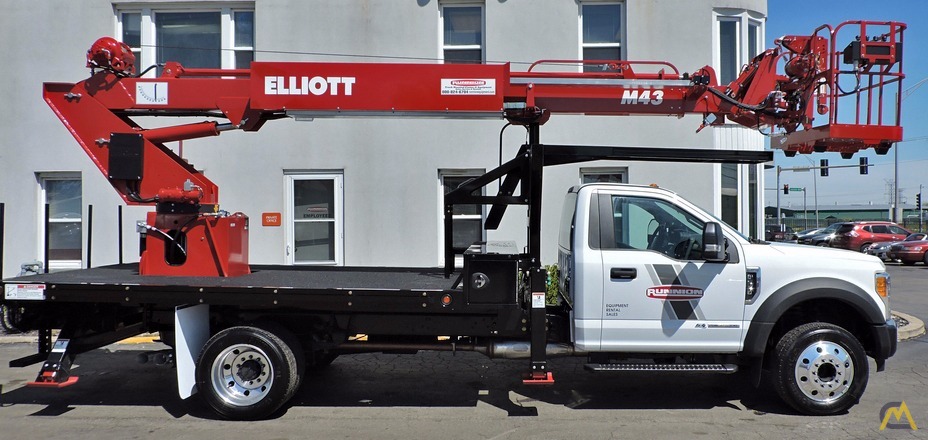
x,y
490,278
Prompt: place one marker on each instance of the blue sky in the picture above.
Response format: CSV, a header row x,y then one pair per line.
x,y
846,185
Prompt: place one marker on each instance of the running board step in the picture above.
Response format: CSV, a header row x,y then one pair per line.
x,y
680,368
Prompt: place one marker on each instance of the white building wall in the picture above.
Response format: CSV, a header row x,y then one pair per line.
x,y
390,166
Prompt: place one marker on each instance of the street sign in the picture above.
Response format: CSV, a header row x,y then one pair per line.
x,y
796,189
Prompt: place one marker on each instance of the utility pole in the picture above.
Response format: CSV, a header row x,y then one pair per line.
x,y
805,212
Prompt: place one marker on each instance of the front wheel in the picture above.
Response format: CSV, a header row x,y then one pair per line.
x,y
820,369
247,373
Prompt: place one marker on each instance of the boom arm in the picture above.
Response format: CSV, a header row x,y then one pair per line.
x,y
100,111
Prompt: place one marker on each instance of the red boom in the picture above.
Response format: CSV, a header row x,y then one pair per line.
x,y
97,111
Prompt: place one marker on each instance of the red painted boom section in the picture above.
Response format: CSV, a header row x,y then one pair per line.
x,y
819,76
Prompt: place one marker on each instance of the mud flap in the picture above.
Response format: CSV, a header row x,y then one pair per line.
x,y
191,326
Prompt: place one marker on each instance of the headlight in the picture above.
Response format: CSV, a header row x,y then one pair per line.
x,y
882,286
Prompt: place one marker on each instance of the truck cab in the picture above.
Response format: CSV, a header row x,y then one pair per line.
x,y
645,271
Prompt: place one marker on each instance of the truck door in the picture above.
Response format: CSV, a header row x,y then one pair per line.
x,y
659,294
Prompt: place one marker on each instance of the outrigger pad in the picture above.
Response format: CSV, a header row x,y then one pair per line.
x,y
545,378
52,384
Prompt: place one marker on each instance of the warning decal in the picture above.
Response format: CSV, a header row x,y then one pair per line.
x,y
24,291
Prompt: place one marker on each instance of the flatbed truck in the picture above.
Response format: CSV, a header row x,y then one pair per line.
x,y
647,280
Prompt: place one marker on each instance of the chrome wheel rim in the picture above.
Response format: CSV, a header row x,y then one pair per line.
x,y
824,371
242,375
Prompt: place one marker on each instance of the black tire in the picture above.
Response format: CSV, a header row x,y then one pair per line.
x,y
863,247
925,258
247,373
822,244
820,369
8,319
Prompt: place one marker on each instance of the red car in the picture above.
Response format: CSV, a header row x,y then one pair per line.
x,y
858,236
909,252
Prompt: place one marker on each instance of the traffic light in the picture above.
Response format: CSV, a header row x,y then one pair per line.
x,y
918,201
824,167
864,168
786,189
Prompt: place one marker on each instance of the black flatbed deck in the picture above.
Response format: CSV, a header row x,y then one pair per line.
x,y
325,288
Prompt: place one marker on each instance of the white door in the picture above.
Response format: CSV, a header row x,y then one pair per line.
x,y
314,219
659,294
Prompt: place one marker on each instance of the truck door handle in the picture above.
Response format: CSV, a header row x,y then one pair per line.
x,y
623,273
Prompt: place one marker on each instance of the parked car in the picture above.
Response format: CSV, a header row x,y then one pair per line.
x,y
858,236
822,237
909,252
880,250
807,232
774,233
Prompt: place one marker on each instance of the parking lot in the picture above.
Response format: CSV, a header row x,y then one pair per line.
x,y
441,395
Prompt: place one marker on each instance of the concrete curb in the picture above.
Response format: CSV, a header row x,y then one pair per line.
x,y
915,328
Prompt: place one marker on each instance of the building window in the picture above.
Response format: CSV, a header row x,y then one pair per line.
x,y
314,219
739,35
243,44
603,175
210,38
601,33
729,61
730,194
462,33
62,193
467,220
752,200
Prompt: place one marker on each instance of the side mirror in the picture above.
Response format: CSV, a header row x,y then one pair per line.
x,y
713,243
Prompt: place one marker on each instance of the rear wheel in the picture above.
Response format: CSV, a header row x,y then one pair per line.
x,y
863,247
925,258
247,373
9,318
820,369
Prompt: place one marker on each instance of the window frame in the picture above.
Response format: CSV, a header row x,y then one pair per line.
x,y
147,54
621,45
443,47
458,172
338,218
745,21
42,198
603,171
